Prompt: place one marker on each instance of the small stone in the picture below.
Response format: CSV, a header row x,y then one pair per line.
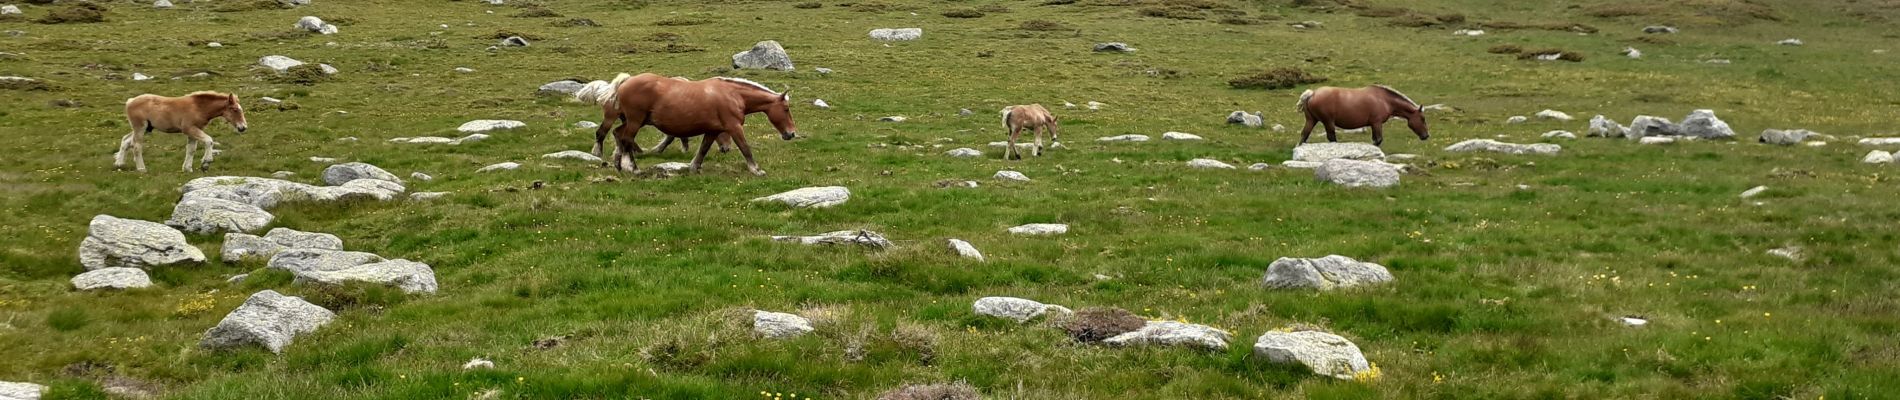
x,y
1790,42
1468,32
1633,321
514,41
776,325
426,196
214,45
111,278
811,197
1179,136
1173,333
1323,353
1113,47
897,34
1792,253
421,176
1657,140
1787,137
1553,114
1040,229
141,77
964,152
10,10
1559,135
1204,163
506,166
1011,176
822,71
282,174
1756,191
1660,29
464,70
1014,309
1123,138
573,155
966,250
310,23
344,173
1250,120
1632,52
1878,157
1260,166
19,390
1517,120
820,103
1604,127
894,118
478,363
965,112
586,125
278,63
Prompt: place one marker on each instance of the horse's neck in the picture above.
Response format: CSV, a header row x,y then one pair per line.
x,y
755,100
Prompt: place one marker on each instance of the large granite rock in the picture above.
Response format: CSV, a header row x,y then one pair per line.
x,y
116,242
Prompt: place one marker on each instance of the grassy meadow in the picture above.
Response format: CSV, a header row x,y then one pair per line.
x,y
1501,292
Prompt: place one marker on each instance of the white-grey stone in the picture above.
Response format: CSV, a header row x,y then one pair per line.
x,y
213,215
1180,136
1204,163
1790,42
1659,29
897,34
9,10
214,45
1015,309
266,319
1633,321
1325,273
1357,174
1880,141
19,390
1785,138
424,140
1559,135
764,55
1172,333
278,63
1506,148
1703,124
820,103
673,167
310,23
1040,229
344,173
410,276
1468,32
1260,166
141,77
1604,127
562,87
300,261
1123,138
489,125
1011,176
1113,47
1789,252
421,176
1755,191
966,249
1323,353
1301,164
471,138
822,71
259,192
1632,52
327,69
426,196
369,189
573,155
506,166
893,118
964,152
586,125
322,160
112,278
464,70
1553,114
1250,120
514,41
1878,157
282,175
777,325
1657,140
1517,119
478,363
239,246
1646,126
811,197
855,237
1320,152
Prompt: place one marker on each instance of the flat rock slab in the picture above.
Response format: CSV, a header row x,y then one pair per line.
x,y
1880,141
1011,176
267,319
1172,333
1040,229
1180,136
1203,163
300,261
410,276
1014,309
777,325
112,278
897,34
489,125
1358,174
1325,273
1320,152
20,390
964,152
965,249
205,215
1123,138
116,242
573,155
811,197
860,238
1506,148
507,166
1323,353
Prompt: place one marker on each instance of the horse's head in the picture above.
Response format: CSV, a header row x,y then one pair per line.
x,y
234,113
780,113
1416,120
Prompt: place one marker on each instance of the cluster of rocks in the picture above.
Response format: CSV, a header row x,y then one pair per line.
x,y
1353,165
1700,124
281,63
314,24
240,204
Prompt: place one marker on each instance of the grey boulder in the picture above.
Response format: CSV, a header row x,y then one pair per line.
x,y
811,197
1325,273
300,261
410,276
266,319
777,325
764,55
897,34
1014,309
966,250
1358,174
344,173
112,278
1250,120
1323,353
1785,138
859,237
1604,127
117,242
1703,124
1321,152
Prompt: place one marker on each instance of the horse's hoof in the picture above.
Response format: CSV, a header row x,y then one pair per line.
x,y
758,172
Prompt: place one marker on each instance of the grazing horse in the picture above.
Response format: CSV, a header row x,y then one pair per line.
x,y
597,92
1367,107
680,108
1030,117
187,115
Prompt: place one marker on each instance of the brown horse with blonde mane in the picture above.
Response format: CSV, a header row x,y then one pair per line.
x,y
1033,118
1367,107
679,108
187,115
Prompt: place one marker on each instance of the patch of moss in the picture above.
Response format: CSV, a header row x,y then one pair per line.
x,y
1277,78
82,13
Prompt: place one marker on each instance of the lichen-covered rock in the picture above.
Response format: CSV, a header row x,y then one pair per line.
x,y
1040,229
267,319
112,278
897,34
117,242
1123,138
1323,353
965,249
1325,273
1015,309
763,55
410,276
344,173
859,237
1012,176
1172,333
239,246
1204,163
1506,148
1703,124
1320,152
1358,174
1604,127
811,197
212,215
304,260
776,325
573,155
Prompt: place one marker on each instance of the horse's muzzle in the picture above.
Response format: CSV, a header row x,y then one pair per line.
x,y
241,128
787,135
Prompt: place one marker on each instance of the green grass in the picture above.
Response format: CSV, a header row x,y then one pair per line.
x,y
1500,292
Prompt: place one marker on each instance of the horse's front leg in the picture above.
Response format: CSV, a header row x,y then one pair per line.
x,y
189,142
1331,135
744,149
1378,135
210,147
1038,132
705,145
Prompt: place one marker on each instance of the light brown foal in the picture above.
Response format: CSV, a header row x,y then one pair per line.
x,y
1033,118
187,115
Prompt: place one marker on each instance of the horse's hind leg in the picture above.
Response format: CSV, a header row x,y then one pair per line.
x,y
725,143
600,133
1308,132
705,145
1014,134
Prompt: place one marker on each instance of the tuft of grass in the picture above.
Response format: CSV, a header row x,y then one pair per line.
x,y
1548,26
1450,18
1057,2
253,5
1277,78
808,5
307,74
505,33
680,20
1652,39
68,319
1413,21
963,13
1505,49
1174,12
934,391
1043,25
536,12
993,8
1382,12
82,13
1620,10
1098,323
575,23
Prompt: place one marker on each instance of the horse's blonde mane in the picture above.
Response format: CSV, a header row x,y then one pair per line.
x,y
760,86
1408,99
601,92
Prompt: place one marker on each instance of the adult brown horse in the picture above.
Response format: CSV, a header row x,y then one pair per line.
x,y
188,115
679,108
597,91
1367,107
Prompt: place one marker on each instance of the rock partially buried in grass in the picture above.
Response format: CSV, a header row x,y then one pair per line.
x,y
267,319
426,196
1011,176
299,261
811,197
116,242
488,125
1785,138
1123,138
1516,119
1506,148
1657,140
344,173
409,276
112,278
1015,309
238,246
1250,120
966,250
1172,333
1878,157
1633,322
23,390
573,155
1604,127
1559,135
776,325
1756,191
506,166
1323,353
964,152
1320,152
478,363
897,34
1703,124
1358,174
858,237
1880,141
1180,136
1792,253
565,88
1113,47
934,391
1553,114
278,63
1203,163
1040,229
1325,273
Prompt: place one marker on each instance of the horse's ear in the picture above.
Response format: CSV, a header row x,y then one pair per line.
x,y
786,96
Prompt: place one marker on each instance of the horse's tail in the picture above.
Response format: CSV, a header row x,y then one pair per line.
x,y
1304,98
601,92
1006,112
